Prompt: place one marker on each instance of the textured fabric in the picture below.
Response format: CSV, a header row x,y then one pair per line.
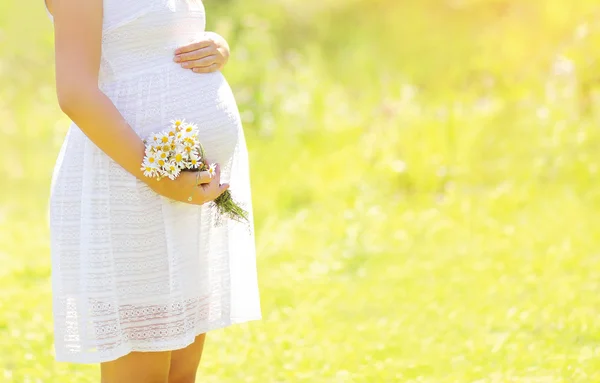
x,y
132,270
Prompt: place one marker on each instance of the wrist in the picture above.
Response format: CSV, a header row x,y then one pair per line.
x,y
154,183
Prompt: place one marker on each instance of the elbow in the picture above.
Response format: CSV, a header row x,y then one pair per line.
x,y
69,100
72,97
65,102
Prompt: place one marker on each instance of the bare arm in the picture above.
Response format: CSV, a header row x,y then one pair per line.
x,y
78,40
78,36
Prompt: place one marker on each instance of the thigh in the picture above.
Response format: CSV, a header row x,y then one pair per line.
x,y
147,367
184,362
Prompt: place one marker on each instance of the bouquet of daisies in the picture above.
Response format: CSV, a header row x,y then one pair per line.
x,y
178,149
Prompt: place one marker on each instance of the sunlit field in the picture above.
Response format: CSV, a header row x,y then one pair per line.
x,y
425,182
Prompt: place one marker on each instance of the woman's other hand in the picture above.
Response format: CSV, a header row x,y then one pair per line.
x,y
208,55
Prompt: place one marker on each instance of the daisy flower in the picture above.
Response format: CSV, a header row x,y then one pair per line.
x,y
155,138
179,159
150,160
190,130
177,124
150,149
172,170
212,170
163,138
188,141
161,155
193,161
149,171
189,150
166,148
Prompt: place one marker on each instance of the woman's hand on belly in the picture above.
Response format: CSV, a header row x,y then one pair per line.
x,y
195,188
207,55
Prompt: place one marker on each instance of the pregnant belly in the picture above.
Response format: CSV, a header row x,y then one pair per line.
x,y
150,101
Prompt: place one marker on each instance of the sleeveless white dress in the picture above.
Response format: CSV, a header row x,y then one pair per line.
x,y
132,270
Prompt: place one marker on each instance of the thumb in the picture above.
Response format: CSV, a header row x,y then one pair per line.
x,y
223,188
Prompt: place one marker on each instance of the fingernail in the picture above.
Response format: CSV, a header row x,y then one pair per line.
x,y
185,65
177,59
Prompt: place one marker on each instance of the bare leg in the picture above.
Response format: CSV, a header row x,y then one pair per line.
x,y
184,362
147,367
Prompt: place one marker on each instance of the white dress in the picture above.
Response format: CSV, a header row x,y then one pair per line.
x,y
132,270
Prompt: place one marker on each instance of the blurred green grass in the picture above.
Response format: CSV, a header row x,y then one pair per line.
x,y
425,179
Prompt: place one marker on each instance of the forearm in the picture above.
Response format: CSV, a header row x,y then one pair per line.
x,y
95,114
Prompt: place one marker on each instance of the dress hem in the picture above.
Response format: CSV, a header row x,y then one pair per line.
x,y
80,358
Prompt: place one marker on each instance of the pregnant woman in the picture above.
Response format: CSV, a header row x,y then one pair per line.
x,y
140,272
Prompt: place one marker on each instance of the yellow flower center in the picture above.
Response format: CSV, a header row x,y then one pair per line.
x,y
166,148
171,133
178,123
151,160
163,155
165,139
161,162
178,157
188,149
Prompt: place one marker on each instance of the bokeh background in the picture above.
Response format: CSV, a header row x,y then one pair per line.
x,y
425,177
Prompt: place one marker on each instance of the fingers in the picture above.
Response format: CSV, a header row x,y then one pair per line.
x,y
207,69
203,178
217,190
211,191
215,180
196,55
208,188
195,46
216,187
203,62
223,188
201,57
